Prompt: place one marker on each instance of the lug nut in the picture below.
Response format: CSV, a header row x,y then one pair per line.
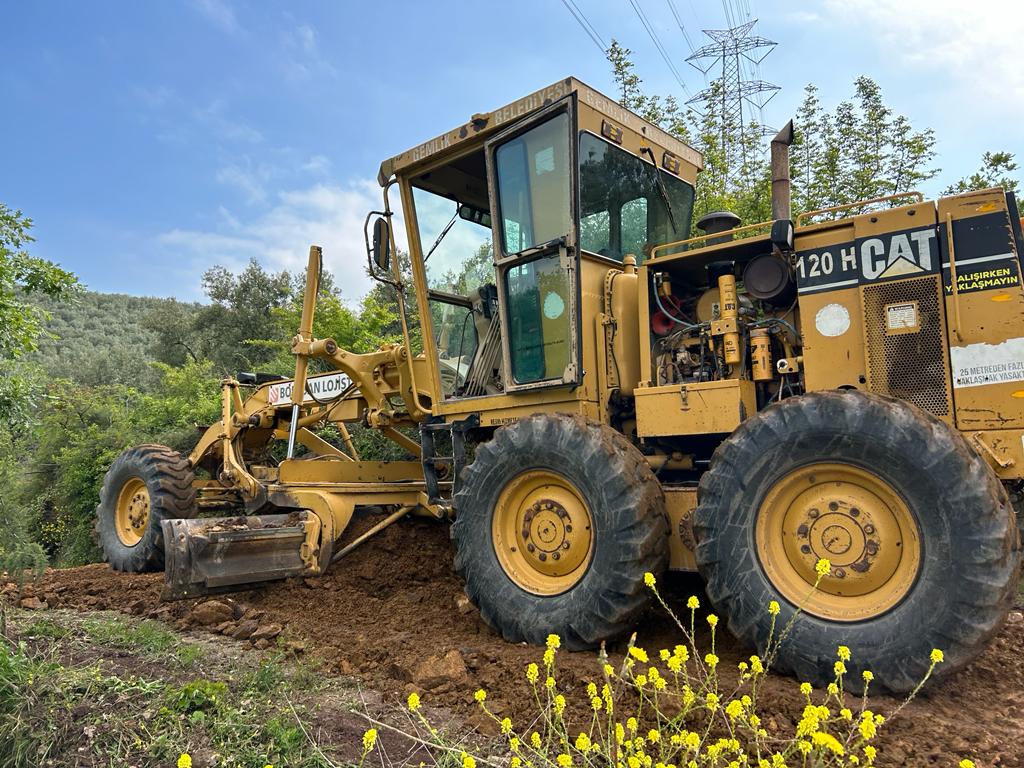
x,y
814,513
556,556
833,506
871,547
869,529
854,511
565,545
530,548
805,549
542,557
568,529
840,573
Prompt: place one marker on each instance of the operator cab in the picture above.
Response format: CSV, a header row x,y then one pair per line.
x,y
515,220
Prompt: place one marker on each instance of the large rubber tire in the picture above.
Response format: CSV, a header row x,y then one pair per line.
x,y
970,551
630,530
168,480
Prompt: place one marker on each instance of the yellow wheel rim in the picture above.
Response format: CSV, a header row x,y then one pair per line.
x,y
853,519
131,517
542,532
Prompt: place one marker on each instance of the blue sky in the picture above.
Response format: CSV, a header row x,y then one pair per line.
x,y
151,140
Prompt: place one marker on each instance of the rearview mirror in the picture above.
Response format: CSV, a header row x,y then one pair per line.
x,y
382,244
475,215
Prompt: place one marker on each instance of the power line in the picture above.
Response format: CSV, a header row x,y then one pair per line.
x,y
679,21
657,44
585,25
589,25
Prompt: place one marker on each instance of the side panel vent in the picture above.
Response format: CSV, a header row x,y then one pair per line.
x,y
904,332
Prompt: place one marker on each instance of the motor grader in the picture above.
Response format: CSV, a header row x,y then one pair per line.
x,y
587,394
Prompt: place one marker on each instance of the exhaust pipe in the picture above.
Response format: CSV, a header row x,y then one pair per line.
x,y
781,206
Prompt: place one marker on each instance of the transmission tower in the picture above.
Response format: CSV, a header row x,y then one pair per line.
x,y
726,53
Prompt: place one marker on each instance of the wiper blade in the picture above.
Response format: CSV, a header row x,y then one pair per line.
x,y
444,232
662,190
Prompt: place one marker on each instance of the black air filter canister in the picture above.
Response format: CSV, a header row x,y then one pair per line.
x,y
770,279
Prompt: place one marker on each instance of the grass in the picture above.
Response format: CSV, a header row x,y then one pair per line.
x,y
55,710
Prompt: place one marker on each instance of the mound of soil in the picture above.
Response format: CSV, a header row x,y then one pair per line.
x,y
393,615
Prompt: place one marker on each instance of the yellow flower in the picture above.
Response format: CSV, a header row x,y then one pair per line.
x,y
711,660
414,701
844,653
649,579
468,761
513,744
591,689
532,672
480,696
620,733
369,739
535,740
828,741
692,740
639,654
823,567
582,742
549,683
664,655
693,603
867,727
805,689
631,724
653,736
756,666
553,642
773,608
937,657
609,670
846,714
559,704
517,762
185,761
674,664
564,760
595,703
712,620
805,746
965,763
549,657
734,709
840,668
506,726
754,721
711,701
640,680
833,689
870,752
868,677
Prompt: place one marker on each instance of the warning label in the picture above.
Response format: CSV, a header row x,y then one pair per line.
x,y
979,364
986,276
899,317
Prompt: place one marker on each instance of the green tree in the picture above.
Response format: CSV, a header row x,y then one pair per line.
x,y
995,171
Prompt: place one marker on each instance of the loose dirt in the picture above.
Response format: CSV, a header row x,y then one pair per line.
x,y
393,615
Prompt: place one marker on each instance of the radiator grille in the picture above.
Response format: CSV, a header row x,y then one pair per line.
x,y
909,366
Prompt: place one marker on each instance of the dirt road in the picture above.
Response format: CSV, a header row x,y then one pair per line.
x,y
393,616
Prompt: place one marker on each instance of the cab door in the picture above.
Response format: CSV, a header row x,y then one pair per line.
x,y
531,171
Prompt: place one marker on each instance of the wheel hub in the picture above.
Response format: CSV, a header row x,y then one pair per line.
x,y
853,519
132,513
542,532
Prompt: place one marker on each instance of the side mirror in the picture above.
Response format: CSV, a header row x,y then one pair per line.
x,y
382,244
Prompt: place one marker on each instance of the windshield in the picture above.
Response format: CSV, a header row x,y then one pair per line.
x,y
622,209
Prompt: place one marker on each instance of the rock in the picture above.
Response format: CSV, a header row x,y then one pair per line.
x,y
295,646
211,612
137,607
463,605
266,632
33,604
245,629
345,667
1015,617
252,614
262,644
225,628
441,670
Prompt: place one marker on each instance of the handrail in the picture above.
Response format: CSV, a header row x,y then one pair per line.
x,y
846,206
728,232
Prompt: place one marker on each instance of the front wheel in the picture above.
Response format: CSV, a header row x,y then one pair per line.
x,y
557,521
144,486
917,529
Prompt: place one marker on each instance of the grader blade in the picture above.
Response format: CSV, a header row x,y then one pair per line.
x,y
218,554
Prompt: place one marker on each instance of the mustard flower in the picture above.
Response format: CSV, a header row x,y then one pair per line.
x,y
369,739
414,701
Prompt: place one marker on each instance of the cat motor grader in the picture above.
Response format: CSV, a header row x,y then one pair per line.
x,y
588,394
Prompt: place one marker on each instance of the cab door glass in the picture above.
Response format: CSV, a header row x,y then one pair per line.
x,y
538,310
534,185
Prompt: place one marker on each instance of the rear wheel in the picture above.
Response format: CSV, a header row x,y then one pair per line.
x,y
557,520
144,486
919,533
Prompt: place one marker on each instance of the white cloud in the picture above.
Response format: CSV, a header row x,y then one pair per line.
x,y
972,51
219,12
247,177
279,237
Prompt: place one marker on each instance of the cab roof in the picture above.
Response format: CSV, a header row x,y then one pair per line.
x,y
484,124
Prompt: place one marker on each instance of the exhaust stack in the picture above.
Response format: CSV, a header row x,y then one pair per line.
x,y
781,208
